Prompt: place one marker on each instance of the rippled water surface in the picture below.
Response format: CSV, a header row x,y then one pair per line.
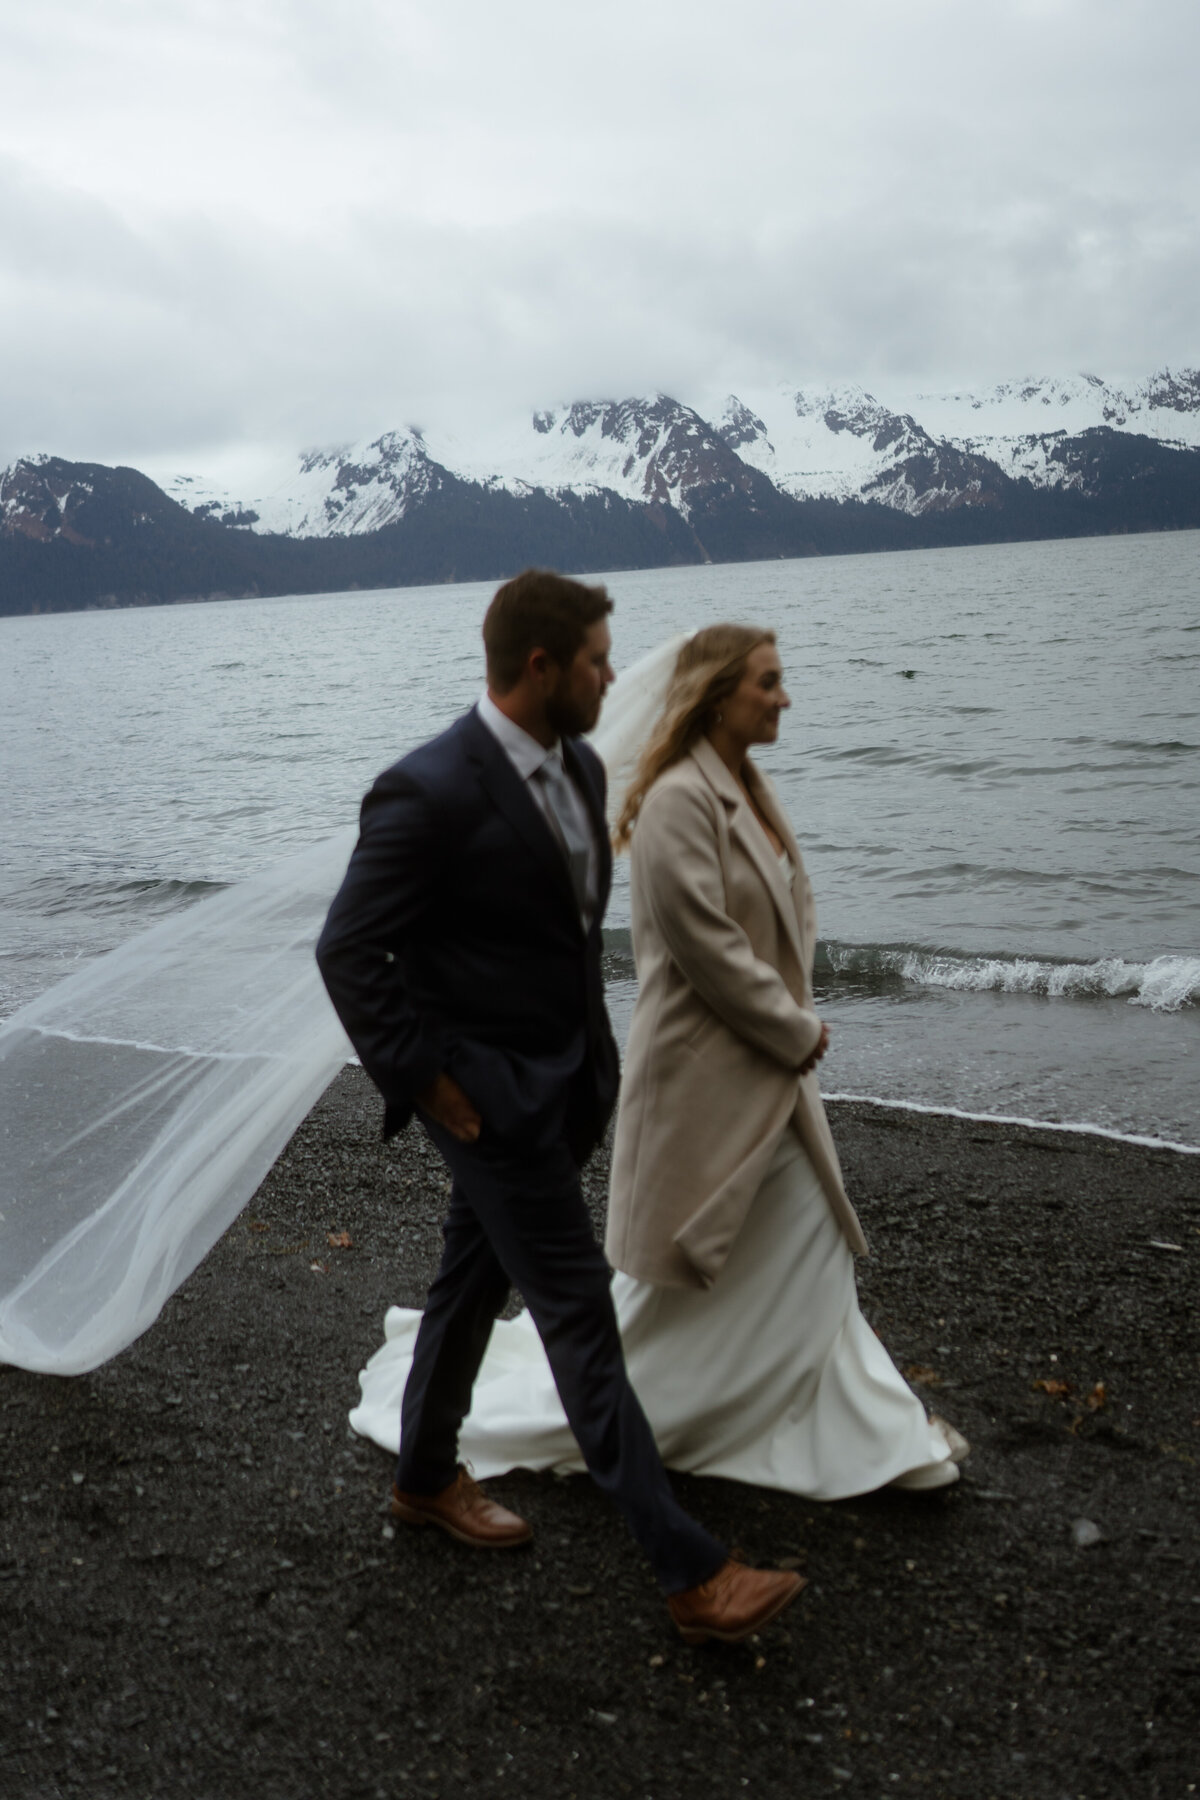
x,y
992,762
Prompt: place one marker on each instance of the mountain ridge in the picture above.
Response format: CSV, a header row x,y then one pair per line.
x,y
911,452
646,481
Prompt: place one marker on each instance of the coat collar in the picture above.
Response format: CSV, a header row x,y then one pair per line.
x,y
750,834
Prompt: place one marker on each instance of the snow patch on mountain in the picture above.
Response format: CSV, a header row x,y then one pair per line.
x,y
328,493
818,442
1020,424
893,444
646,449
40,498
912,450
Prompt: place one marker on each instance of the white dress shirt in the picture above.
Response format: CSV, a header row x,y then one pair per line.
x,y
527,757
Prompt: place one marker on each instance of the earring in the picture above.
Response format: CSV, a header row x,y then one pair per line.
x,y
719,716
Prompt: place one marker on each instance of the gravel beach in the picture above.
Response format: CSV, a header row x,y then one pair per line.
x,y
201,1594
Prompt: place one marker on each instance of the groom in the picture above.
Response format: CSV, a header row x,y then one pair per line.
x,y
463,956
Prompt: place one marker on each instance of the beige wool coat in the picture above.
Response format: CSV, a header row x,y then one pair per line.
x,y
724,1018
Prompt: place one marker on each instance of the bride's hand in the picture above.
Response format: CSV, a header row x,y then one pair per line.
x,y
806,1068
449,1107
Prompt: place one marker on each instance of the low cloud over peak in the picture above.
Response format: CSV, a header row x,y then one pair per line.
x,y
383,215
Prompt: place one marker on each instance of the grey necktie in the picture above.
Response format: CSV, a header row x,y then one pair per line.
x,y
564,821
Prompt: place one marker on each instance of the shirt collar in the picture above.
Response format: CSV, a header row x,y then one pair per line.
x,y
523,751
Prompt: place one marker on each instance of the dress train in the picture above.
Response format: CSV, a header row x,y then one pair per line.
x,y
772,1376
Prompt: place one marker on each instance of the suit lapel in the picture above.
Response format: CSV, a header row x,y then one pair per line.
x,y
510,796
753,839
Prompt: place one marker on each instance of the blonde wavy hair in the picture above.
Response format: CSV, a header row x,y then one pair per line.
x,y
708,669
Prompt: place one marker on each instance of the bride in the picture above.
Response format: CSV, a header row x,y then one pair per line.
x,y
729,1225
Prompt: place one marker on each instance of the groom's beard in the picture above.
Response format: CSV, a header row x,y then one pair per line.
x,y
569,717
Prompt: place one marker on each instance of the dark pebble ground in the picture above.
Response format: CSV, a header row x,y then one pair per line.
x,y
201,1597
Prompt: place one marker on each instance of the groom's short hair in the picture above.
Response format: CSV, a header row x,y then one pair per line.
x,y
538,610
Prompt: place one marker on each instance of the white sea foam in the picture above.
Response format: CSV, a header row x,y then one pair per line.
x,y
1079,1128
120,1043
1165,983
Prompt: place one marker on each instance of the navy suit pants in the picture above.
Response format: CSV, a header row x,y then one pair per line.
x,y
520,1221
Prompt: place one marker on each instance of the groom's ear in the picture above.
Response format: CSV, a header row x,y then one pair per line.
x,y
539,664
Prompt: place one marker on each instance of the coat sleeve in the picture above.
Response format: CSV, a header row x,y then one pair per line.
x,y
389,889
678,870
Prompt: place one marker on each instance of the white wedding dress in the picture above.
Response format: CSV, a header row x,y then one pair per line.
x,y
771,1376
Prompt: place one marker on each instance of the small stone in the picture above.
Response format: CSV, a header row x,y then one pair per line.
x,y
76,1478
1085,1532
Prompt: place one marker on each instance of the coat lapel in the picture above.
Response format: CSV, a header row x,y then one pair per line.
x,y
508,793
753,839
798,888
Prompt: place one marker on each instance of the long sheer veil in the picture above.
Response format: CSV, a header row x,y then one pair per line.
x,y
143,1100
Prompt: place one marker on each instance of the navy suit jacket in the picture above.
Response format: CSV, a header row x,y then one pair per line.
x,y
455,943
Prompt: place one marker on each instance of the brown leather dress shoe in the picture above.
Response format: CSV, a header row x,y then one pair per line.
x,y
465,1513
733,1603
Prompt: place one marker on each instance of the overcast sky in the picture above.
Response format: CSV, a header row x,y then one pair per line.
x,y
239,223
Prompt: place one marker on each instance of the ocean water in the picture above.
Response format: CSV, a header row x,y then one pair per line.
x,y
992,762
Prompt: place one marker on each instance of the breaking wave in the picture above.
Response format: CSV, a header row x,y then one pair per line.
x,y
1165,983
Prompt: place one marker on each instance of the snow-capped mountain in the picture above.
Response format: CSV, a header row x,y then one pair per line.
x,y
844,443
332,493
917,450
645,450
46,499
1021,425
619,484
913,452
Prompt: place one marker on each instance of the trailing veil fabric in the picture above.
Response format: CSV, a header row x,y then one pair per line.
x,y
144,1099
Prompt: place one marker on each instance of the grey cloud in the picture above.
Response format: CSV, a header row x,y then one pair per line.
x,y
476,208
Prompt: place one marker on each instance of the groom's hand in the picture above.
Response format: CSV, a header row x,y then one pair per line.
x,y
806,1068
449,1107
